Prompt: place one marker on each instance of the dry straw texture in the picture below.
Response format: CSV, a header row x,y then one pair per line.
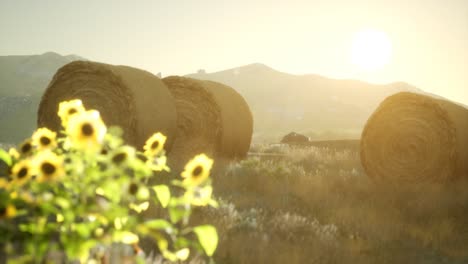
x,y
212,118
133,99
416,138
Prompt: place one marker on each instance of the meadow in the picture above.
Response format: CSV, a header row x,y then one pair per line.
x,y
317,205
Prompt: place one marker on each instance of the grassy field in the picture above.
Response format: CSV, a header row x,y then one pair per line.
x,y
316,205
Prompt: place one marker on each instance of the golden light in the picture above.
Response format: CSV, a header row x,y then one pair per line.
x,y
371,49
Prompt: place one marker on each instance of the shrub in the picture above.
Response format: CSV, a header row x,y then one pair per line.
x,y
85,188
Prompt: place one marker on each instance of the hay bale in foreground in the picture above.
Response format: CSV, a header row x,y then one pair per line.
x,y
212,118
416,138
133,99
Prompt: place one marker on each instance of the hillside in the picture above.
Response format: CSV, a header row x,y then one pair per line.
x,y
321,107
23,79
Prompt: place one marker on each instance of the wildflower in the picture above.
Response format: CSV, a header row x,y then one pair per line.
x,y
4,183
123,155
158,164
69,108
197,170
133,188
26,147
155,144
86,130
8,211
22,172
44,138
14,153
49,166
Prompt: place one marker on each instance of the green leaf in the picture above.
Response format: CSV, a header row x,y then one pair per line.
x,y
163,193
208,238
5,157
158,224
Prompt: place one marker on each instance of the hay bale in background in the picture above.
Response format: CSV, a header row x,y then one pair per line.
x,y
133,99
416,138
212,118
236,119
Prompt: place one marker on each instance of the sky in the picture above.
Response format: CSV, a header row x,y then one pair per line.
x,y
429,38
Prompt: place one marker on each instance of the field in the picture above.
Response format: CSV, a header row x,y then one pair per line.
x,y
316,205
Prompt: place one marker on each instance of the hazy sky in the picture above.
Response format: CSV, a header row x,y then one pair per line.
x,y
429,38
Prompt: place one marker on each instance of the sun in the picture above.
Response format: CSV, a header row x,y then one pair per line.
x,y
371,49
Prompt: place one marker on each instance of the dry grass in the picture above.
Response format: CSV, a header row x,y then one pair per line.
x,y
316,205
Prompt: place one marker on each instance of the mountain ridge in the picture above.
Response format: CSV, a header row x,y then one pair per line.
x,y
322,107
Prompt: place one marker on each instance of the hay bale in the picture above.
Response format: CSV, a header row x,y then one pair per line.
x,y
295,138
212,118
416,138
236,120
133,99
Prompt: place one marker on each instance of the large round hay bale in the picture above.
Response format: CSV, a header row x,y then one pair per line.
x,y
236,120
416,138
212,118
133,99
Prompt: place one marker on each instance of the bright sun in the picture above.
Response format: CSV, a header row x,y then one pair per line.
x,y
371,49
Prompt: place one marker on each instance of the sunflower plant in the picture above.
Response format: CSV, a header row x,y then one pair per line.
x,y
83,188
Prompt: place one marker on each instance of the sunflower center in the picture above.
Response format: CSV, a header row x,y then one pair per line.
x,y
133,188
155,145
3,211
119,158
72,111
45,141
26,147
22,173
48,168
87,129
197,171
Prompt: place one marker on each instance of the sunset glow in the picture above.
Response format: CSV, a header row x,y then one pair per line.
x,y
371,50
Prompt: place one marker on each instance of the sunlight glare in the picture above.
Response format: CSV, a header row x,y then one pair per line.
x,y
371,49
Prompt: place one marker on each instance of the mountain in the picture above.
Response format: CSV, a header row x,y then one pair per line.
x,y
23,79
320,107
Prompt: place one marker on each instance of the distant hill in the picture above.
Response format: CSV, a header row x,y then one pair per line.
x,y
23,79
319,107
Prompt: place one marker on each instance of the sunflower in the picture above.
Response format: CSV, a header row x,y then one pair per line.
x,y
49,166
4,183
154,145
197,170
44,138
69,108
86,130
26,147
14,153
123,155
22,172
8,211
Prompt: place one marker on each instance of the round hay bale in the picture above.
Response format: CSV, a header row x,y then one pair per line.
x,y
212,118
236,120
417,139
133,99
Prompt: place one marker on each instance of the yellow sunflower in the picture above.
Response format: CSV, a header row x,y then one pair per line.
x,y
4,183
69,108
197,170
154,145
49,166
26,147
44,138
22,172
8,211
123,155
86,130
14,153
